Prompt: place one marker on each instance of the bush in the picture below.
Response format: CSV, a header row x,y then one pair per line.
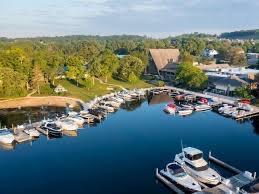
x,y
132,78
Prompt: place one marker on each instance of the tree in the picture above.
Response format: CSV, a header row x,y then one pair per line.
x,y
237,57
37,78
75,68
129,65
191,76
243,92
186,58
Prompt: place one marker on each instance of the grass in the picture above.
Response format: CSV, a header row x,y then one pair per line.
x,y
88,91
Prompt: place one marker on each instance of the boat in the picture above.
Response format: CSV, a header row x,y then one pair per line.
x,y
178,176
191,159
203,100
6,137
77,120
106,107
187,106
51,128
179,97
67,124
184,112
202,107
223,108
32,132
170,108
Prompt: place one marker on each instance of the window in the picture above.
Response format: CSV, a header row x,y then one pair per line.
x,y
201,168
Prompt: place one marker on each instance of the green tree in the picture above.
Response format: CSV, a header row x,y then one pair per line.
x,y
75,68
37,78
243,92
129,65
191,76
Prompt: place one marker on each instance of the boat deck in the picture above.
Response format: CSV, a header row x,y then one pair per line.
x,y
22,137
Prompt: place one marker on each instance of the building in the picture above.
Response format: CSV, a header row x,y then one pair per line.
x,y
210,53
226,85
60,89
163,62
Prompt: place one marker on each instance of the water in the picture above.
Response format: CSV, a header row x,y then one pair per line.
x,y
120,155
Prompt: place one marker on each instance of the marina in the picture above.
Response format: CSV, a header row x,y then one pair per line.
x,y
98,131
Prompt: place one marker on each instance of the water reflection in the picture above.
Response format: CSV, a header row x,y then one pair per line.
x,y
7,146
15,117
70,133
132,105
255,124
158,99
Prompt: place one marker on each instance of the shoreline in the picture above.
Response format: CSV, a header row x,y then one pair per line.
x,y
57,101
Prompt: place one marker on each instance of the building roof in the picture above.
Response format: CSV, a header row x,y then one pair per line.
x,y
229,83
165,58
213,66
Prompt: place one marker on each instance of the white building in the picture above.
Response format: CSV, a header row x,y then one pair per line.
x,y
210,53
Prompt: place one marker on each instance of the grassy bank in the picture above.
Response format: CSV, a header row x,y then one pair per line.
x,y
87,91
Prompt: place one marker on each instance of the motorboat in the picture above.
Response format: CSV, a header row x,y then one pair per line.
x,y
191,159
178,176
202,107
106,107
229,111
51,128
184,112
170,108
180,97
6,137
203,101
117,99
67,124
223,108
32,132
113,104
187,106
77,120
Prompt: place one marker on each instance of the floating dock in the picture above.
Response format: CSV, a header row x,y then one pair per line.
x,y
228,185
21,137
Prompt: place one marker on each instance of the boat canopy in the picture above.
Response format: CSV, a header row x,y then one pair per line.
x,y
175,168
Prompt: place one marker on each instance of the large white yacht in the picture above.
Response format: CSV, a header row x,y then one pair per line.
x,y
178,176
191,159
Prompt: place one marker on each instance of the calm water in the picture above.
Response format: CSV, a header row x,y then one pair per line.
x,y
120,155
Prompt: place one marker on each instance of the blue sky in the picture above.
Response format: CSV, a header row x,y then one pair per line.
x,y
157,18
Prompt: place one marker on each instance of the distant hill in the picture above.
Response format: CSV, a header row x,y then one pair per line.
x,y
243,34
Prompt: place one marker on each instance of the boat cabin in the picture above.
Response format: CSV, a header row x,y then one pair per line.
x,y
192,153
175,169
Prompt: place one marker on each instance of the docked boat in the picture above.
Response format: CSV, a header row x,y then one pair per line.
x,y
203,100
202,107
51,128
178,176
67,124
77,120
108,108
170,108
6,137
191,159
184,112
187,106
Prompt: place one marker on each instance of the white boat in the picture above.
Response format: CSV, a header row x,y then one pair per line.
x,y
187,106
170,109
191,159
77,120
229,111
32,132
117,99
202,107
67,124
6,137
72,113
107,108
111,103
178,176
223,108
184,112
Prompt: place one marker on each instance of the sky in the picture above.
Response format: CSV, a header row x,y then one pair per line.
x,y
153,18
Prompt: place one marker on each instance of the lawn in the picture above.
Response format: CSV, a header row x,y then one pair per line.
x,y
90,91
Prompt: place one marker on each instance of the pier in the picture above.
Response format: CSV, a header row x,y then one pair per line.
x,y
219,99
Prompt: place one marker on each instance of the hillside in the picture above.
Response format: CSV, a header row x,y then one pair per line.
x,y
243,34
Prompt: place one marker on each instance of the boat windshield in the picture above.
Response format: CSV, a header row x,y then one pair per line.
x,y
176,170
201,168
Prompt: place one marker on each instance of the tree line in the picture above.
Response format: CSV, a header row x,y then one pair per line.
x,y
34,63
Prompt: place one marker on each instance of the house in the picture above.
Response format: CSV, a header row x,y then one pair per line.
x,y
210,53
226,85
60,89
163,62
213,67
